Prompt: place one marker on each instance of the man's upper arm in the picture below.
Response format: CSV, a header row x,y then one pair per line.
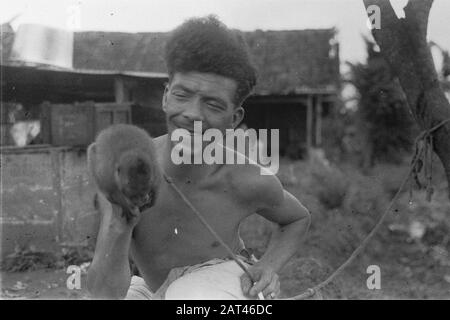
x,y
277,204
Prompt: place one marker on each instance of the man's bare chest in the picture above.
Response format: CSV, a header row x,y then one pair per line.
x,y
171,225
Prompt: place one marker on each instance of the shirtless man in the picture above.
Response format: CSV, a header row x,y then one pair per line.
x,y
210,75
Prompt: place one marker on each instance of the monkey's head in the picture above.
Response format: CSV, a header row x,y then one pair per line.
x,y
138,178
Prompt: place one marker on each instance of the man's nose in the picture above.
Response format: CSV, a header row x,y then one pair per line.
x,y
194,111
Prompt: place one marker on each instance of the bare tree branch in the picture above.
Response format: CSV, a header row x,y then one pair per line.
x,y
417,12
404,45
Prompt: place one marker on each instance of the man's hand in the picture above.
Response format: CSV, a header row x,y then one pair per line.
x,y
113,214
267,282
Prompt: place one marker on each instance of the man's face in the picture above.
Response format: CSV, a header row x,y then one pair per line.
x,y
205,97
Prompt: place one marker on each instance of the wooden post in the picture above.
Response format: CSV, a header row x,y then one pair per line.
x,y
309,122
318,125
120,93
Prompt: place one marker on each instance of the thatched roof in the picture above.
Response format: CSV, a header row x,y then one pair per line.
x,y
288,62
294,61
119,51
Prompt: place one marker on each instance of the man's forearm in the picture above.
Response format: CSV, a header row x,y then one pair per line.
x,y
284,243
109,274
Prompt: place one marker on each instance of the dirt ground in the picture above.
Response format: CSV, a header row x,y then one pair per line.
x,y
406,273
40,284
411,249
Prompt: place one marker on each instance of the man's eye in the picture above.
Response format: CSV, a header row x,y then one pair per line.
x,y
179,94
215,106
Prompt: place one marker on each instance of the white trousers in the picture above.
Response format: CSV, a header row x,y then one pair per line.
x,y
214,280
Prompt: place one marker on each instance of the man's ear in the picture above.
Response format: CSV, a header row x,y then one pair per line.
x,y
238,115
164,98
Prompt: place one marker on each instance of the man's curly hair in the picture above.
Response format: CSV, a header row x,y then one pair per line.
x,y
207,45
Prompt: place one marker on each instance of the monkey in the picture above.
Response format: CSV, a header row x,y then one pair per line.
x,y
122,161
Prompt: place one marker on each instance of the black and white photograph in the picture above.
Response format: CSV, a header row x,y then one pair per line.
x,y
225,150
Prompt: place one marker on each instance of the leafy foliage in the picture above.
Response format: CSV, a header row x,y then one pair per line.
x,y
28,258
24,259
383,115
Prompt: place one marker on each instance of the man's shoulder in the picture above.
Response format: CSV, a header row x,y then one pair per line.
x,y
252,183
159,141
160,144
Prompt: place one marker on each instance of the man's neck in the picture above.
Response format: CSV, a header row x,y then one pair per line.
x,y
184,172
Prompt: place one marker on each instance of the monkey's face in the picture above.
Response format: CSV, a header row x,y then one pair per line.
x,y
138,180
205,97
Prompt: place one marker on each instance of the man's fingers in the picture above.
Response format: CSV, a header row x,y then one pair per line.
x,y
246,283
273,289
260,285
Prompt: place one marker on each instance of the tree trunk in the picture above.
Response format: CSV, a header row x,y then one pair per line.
x,y
403,44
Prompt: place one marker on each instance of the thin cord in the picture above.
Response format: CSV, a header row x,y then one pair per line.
x,y
206,224
311,291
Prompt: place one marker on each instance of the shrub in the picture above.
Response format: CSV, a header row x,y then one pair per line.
x,y
330,185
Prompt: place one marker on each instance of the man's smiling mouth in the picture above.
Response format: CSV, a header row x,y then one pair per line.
x,y
190,130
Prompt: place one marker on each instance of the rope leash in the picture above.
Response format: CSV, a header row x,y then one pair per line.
x,y
423,146
425,137
206,224
210,229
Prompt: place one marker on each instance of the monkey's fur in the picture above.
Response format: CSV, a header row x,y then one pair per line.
x,y
123,163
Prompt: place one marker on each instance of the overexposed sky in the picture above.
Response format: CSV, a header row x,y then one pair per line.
x,y
348,16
